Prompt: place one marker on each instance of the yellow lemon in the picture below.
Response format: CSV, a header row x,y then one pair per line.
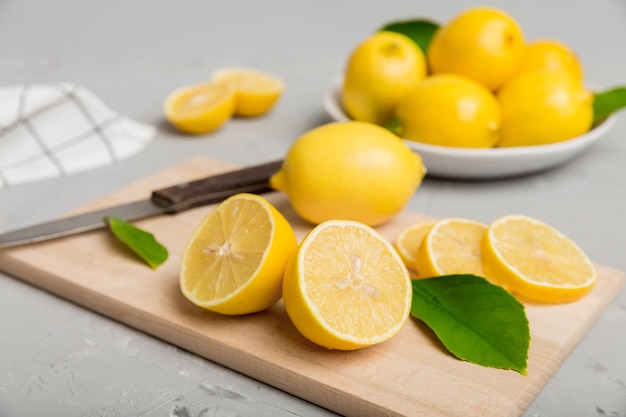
x,y
451,246
200,108
409,240
256,92
484,44
549,54
379,73
235,259
346,287
350,171
450,110
543,107
532,259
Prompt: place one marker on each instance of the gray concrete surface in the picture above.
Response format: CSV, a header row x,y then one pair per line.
x,y
58,359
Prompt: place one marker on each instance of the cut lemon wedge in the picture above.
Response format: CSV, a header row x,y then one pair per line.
x,y
451,246
408,242
346,287
256,92
536,261
234,261
200,108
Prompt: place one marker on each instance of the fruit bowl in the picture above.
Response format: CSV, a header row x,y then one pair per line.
x,y
466,163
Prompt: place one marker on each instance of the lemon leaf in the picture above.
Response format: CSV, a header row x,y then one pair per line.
x,y
608,102
394,125
139,241
475,320
420,31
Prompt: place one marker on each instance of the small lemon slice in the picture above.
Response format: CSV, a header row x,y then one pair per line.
x,y
235,260
451,246
408,242
346,287
536,261
200,108
256,92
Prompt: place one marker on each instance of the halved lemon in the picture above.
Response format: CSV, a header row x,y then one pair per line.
x,y
256,92
235,259
408,242
536,261
200,108
346,287
451,246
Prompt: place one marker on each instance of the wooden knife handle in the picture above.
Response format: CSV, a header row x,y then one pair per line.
x,y
215,188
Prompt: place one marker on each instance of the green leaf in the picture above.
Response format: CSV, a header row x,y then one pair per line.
x,y
420,31
475,320
141,242
608,102
394,125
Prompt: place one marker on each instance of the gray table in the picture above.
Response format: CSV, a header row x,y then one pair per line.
x,y
59,359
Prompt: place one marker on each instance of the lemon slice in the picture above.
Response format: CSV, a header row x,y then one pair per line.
x,y
256,92
200,108
235,260
408,242
536,261
346,287
451,246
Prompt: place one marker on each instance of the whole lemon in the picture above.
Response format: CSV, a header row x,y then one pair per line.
x,y
349,171
450,110
549,54
484,44
379,73
544,107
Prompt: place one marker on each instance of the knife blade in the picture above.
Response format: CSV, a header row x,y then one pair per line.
x,y
169,200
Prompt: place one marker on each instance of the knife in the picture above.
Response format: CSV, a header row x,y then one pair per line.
x,y
170,200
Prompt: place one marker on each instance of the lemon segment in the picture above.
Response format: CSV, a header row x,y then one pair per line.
x,y
235,259
379,73
408,242
451,246
200,108
536,261
346,287
482,43
255,92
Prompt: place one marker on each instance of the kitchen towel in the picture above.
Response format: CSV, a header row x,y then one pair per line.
x,y
57,129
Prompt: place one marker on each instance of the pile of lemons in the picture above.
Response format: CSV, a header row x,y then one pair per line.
x,y
479,84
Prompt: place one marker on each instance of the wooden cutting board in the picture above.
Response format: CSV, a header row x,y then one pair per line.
x,y
410,375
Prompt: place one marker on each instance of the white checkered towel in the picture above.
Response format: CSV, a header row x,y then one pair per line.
x,y
51,130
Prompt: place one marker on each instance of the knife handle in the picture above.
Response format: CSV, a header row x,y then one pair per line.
x,y
215,188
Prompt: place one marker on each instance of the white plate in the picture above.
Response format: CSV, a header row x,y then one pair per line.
x,y
490,163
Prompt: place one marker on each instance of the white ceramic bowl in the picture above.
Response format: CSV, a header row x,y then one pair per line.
x,y
464,163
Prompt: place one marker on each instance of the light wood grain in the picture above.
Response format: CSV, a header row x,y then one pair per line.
x,y
409,375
